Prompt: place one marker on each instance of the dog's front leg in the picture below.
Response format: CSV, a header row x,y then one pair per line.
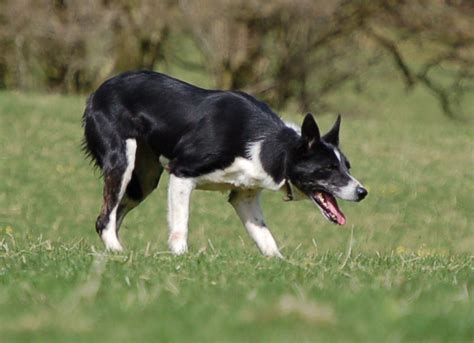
x,y
246,204
179,195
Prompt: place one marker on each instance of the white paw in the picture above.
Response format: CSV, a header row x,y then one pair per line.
x,y
177,243
267,244
272,253
111,241
178,247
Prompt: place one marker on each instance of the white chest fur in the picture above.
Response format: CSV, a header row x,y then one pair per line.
x,y
243,173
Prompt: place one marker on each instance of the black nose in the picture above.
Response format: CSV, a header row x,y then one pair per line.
x,y
361,193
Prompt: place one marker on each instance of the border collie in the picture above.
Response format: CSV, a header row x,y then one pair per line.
x,y
138,124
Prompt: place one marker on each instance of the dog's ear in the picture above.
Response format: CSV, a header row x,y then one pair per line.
x,y
310,131
333,135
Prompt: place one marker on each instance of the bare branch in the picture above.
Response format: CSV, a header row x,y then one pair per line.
x,y
400,62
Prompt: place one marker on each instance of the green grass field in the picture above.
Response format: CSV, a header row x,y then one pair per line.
x,y
408,275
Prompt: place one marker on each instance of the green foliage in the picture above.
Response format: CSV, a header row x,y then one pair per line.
x,y
285,51
409,277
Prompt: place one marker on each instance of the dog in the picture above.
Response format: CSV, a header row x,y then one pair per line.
x,y
139,123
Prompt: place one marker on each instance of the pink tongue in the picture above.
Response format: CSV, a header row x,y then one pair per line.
x,y
332,206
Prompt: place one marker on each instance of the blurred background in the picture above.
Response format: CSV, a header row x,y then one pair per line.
x,y
293,54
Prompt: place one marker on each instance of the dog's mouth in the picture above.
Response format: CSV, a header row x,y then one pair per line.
x,y
328,206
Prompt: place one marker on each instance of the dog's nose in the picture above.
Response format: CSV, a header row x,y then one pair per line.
x,y
361,193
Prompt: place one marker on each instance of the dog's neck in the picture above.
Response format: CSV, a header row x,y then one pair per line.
x,y
276,157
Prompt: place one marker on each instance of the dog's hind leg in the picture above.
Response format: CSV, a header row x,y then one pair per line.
x,y
145,178
117,170
179,196
246,204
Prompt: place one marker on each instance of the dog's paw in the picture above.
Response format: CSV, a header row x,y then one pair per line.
x,y
178,247
273,254
111,241
266,243
177,243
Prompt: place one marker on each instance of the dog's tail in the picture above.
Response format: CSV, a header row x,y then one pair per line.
x,y
87,144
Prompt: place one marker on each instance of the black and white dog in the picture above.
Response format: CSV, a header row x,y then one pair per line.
x,y
139,123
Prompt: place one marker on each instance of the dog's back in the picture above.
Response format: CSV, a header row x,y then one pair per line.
x,y
174,118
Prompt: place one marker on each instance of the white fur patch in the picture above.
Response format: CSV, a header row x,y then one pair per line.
x,y
131,150
349,191
293,126
109,234
338,155
179,196
243,173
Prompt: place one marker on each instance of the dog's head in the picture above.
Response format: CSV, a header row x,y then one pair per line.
x,y
321,171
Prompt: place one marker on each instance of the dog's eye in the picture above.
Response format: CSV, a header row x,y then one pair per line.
x,y
324,171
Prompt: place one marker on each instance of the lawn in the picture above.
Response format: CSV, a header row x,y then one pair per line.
x,y
402,269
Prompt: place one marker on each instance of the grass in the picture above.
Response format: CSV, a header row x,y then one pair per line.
x,y
409,275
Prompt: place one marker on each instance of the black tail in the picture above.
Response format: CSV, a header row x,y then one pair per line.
x,y
88,145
